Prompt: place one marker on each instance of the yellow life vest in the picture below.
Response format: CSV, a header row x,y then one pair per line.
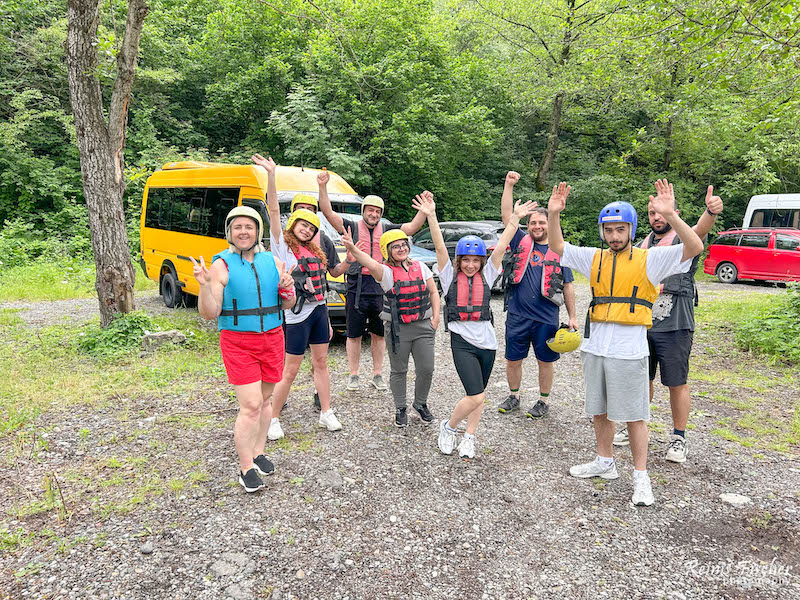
x,y
621,291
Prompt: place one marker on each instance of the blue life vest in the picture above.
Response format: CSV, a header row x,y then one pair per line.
x,y
250,301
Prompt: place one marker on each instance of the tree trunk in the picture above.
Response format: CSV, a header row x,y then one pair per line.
x,y
101,147
552,143
558,103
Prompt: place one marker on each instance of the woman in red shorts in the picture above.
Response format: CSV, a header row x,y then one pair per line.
x,y
246,290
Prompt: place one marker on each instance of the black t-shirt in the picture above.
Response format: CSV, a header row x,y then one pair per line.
x,y
369,286
329,249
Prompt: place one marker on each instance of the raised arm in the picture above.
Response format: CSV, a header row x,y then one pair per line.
x,y
706,221
375,268
323,178
558,200
415,224
424,203
520,212
664,203
507,201
272,194
212,283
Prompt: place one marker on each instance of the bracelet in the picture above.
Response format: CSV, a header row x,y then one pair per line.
x,y
349,262
712,214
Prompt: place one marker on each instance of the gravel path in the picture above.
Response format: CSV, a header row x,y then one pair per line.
x,y
376,512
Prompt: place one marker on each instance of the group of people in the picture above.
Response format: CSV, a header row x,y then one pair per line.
x,y
270,307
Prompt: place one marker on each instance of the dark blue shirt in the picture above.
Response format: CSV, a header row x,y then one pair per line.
x,y
526,298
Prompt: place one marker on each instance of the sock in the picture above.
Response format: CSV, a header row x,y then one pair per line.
x,y
637,474
543,396
605,462
680,432
469,435
514,392
448,428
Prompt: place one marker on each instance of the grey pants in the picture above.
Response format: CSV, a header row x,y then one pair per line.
x,y
416,339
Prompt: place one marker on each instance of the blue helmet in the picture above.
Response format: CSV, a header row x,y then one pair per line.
x,y
617,212
470,245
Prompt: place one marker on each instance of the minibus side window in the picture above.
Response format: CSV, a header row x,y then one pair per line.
x,y
259,206
219,202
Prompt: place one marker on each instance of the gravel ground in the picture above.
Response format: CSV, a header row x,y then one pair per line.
x,y
376,512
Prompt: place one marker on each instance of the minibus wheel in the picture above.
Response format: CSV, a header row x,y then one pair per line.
x,y
170,290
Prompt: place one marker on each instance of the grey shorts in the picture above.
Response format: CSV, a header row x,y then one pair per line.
x,y
617,387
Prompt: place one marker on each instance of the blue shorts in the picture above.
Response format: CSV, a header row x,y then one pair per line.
x,y
314,330
522,332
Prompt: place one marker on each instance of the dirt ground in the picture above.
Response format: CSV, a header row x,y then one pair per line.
x,y
377,512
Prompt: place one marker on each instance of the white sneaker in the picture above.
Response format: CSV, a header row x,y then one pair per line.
x,y
642,491
678,449
275,431
621,438
447,439
329,420
594,469
466,449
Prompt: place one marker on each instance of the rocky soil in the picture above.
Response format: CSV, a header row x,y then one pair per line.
x,y
377,512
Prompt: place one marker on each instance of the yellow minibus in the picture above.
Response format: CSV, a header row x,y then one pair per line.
x,y
183,214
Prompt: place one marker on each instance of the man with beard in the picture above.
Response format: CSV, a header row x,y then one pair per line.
x,y
536,286
670,337
364,301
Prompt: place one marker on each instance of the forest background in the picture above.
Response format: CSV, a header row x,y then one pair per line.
x,y
398,96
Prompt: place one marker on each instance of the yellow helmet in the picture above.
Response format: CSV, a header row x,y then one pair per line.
x,y
305,199
302,214
244,211
389,237
372,200
564,340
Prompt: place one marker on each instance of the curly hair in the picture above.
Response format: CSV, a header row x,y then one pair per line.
x,y
294,244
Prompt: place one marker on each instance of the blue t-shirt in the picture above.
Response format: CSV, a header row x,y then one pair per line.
x,y
526,298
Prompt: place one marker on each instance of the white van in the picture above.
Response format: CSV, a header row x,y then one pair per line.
x,y
773,210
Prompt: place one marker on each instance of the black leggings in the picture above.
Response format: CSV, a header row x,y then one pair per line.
x,y
473,365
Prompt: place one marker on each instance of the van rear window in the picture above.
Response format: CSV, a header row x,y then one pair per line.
x,y
755,240
729,239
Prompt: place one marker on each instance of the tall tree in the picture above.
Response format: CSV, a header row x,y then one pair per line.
x,y
101,142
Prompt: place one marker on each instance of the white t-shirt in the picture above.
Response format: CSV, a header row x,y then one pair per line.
x,y
281,249
615,340
478,333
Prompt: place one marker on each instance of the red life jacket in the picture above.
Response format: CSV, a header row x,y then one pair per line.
x,y
308,274
409,300
552,274
363,232
468,299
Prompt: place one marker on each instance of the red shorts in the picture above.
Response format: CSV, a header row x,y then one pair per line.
x,y
251,356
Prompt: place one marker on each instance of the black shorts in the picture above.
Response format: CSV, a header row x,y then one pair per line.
x,y
314,330
364,317
670,350
473,365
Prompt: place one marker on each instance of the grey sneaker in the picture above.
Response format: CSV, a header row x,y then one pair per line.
x,y
594,469
447,439
378,383
678,449
353,384
621,438
642,491
263,465
509,404
538,410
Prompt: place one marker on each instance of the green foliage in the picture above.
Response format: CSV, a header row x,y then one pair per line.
x,y
120,337
775,330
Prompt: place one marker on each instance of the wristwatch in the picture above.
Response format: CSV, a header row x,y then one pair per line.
x,y
712,214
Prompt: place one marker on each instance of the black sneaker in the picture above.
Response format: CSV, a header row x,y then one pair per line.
x,y
424,413
317,405
538,410
400,418
250,481
509,404
263,466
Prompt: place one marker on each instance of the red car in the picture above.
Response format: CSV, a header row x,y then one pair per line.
x,y
758,253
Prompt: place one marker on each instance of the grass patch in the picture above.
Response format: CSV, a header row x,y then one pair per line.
x,y
51,280
9,318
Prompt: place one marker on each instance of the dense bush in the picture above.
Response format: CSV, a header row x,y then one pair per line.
x,y
776,331
121,337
